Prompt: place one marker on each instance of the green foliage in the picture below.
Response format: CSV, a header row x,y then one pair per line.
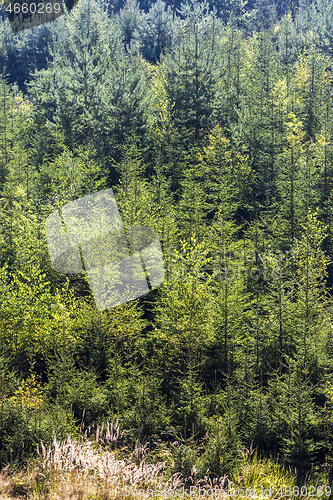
x,y
215,129
34,321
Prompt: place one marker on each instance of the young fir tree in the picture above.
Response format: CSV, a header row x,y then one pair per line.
x,y
133,191
301,324
184,329
83,69
190,73
220,176
130,18
233,56
18,190
183,312
160,133
297,178
260,124
155,32
321,21
310,291
78,74
192,207
125,102
310,81
287,48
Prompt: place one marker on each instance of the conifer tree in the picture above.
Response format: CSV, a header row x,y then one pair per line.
x,y
311,271
287,46
129,20
155,32
126,98
297,177
260,123
321,19
190,72
183,313
233,54
78,74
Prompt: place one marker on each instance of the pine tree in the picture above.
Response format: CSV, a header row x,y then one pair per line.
x,y
311,271
184,310
126,98
81,55
189,71
287,46
192,207
132,192
321,21
129,20
297,178
154,35
259,123
233,54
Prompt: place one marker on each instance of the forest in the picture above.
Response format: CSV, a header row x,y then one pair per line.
x,y
212,122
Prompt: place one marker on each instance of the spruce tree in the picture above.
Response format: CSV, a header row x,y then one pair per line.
x,y
190,72
129,20
155,32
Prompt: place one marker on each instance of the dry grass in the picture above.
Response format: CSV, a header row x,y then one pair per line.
x,y
92,461
89,470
